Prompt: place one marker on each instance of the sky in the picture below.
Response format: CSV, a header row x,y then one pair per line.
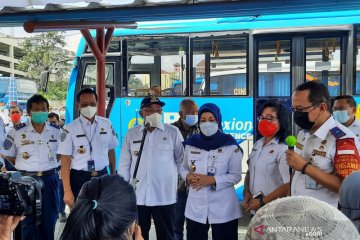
x,y
72,38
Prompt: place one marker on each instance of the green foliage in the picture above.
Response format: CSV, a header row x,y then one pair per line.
x,y
40,53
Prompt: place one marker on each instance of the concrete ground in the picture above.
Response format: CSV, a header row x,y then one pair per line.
x,y
243,223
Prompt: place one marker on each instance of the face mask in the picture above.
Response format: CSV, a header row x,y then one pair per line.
x,y
154,119
39,117
191,120
15,117
302,120
2,108
88,111
341,116
267,129
209,128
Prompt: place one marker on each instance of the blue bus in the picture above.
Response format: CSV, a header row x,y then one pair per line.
x,y
16,91
236,68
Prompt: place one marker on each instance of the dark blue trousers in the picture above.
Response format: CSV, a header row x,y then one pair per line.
x,y
179,219
78,178
61,197
49,212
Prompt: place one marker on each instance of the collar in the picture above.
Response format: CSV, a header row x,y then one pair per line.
x,y
274,140
324,129
30,127
161,127
86,121
356,123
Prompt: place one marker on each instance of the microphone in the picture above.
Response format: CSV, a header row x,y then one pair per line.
x,y
291,142
147,125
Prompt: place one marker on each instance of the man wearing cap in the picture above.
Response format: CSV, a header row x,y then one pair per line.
x,y
86,148
157,173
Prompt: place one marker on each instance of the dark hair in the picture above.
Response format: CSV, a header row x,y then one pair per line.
x,y
283,116
112,215
86,91
349,99
318,92
52,114
15,106
36,98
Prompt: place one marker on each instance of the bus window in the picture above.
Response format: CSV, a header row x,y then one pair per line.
x,y
323,61
90,74
139,84
4,85
225,56
274,68
162,60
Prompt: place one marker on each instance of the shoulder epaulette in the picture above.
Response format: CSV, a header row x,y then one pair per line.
x,y
20,126
54,125
337,132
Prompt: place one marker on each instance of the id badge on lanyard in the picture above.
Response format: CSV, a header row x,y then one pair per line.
x,y
91,162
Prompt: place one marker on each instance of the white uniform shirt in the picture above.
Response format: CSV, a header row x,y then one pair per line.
x,y
158,168
5,116
33,151
268,167
220,204
321,141
76,139
2,132
355,128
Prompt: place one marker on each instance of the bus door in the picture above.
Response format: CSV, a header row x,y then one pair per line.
x,y
284,61
87,75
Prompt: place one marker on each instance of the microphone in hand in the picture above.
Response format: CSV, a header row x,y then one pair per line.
x,y
291,142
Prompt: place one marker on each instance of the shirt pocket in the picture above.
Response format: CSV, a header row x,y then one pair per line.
x,y
135,151
165,152
27,151
81,146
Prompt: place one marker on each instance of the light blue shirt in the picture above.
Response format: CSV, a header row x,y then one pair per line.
x,y
33,151
81,135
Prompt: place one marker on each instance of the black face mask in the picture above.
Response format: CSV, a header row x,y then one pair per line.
x,y
302,120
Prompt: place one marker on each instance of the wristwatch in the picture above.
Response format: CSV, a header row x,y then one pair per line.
x,y
262,203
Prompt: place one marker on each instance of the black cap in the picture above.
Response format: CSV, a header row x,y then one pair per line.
x,y
149,100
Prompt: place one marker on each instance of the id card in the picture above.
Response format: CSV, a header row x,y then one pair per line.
x,y
91,165
310,183
211,171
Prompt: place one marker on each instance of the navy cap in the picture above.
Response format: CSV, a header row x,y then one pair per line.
x,y
149,100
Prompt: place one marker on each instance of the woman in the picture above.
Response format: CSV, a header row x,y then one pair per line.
x,y
104,210
268,175
349,198
211,167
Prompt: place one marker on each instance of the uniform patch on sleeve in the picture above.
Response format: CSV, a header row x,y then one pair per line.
x,y
63,136
7,144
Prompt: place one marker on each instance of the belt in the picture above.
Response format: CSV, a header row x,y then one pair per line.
x,y
89,173
40,173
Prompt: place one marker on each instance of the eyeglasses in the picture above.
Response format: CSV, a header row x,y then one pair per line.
x,y
268,118
297,109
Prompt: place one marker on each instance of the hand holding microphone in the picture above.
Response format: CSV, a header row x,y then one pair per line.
x,y
295,161
291,142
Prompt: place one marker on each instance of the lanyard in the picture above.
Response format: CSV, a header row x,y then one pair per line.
x,y
92,134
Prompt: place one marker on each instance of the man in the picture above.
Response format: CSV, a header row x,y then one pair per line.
x,y
87,147
15,115
32,149
323,145
344,111
188,126
4,113
157,173
53,118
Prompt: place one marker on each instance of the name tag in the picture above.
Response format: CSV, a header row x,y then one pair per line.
x,y
319,153
81,135
299,146
193,152
138,141
103,132
52,140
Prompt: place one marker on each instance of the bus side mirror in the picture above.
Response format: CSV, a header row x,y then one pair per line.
x,y
44,78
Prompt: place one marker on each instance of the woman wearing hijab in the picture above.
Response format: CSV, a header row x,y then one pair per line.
x,y
268,175
349,198
211,167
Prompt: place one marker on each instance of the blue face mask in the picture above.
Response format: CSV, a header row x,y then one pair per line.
x,y
191,120
39,117
2,108
341,116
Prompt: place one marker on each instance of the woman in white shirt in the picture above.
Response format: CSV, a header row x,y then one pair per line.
x,y
211,167
268,175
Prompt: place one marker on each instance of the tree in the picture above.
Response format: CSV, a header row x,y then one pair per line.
x,y
40,52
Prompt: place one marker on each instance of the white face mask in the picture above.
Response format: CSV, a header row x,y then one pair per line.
x,y
191,120
88,111
209,128
154,119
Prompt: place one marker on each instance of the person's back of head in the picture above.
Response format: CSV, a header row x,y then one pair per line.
x,y
349,198
105,209
300,217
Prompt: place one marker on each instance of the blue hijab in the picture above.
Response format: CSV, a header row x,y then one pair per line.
x,y
219,139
